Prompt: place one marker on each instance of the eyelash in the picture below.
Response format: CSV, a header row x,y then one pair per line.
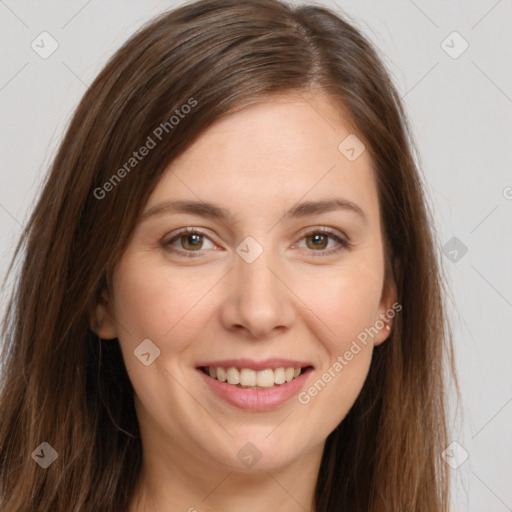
x,y
343,244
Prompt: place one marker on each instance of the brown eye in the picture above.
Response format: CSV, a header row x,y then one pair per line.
x,y
191,241
187,242
318,241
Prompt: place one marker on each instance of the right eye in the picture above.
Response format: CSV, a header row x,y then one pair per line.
x,y
191,241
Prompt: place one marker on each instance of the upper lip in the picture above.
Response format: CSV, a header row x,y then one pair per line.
x,y
272,363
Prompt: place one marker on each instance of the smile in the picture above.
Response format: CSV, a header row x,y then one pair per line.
x,y
254,386
248,378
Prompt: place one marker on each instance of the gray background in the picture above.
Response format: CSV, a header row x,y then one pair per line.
x,y
461,111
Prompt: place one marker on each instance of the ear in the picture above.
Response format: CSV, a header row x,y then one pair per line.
x,y
101,319
388,308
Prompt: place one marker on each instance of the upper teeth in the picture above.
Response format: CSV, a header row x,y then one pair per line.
x,y
247,377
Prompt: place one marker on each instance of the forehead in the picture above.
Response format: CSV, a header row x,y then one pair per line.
x,y
272,153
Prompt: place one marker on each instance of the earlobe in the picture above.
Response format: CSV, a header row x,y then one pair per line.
x,y
383,334
101,320
387,312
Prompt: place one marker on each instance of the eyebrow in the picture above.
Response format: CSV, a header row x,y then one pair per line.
x,y
213,211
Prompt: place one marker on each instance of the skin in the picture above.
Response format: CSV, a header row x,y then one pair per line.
x,y
295,300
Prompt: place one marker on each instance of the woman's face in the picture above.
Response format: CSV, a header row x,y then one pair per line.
x,y
283,267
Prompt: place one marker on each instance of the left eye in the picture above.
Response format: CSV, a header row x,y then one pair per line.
x,y
319,241
192,241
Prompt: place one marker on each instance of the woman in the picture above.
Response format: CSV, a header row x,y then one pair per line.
x,y
229,296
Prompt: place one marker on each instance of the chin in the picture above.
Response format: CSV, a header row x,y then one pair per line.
x,y
256,450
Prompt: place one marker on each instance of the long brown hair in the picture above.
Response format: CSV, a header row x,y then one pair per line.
x,y
62,385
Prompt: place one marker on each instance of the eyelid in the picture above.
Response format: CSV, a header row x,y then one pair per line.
x,y
324,229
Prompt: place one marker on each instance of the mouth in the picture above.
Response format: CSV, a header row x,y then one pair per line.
x,y
251,379
254,385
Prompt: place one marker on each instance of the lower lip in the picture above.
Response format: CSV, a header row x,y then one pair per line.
x,y
256,399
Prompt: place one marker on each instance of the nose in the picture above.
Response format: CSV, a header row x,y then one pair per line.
x,y
258,300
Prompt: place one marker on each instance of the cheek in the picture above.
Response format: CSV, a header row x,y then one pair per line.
x,y
342,304
343,307
151,302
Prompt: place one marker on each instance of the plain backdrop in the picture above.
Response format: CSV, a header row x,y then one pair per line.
x,y
460,106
